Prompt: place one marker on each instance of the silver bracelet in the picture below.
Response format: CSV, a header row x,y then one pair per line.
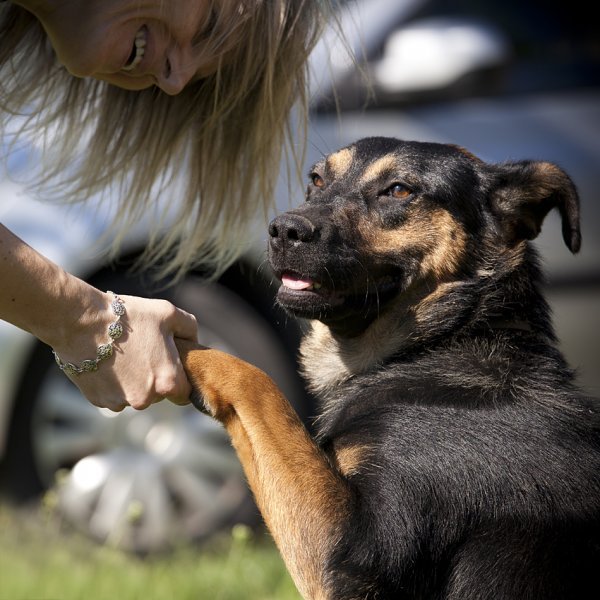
x,y
104,351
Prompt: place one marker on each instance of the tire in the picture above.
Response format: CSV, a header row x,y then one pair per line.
x,y
143,481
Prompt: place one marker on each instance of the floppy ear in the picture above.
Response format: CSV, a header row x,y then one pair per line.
x,y
526,191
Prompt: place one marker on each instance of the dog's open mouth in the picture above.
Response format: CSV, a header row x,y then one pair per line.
x,y
303,294
313,297
295,282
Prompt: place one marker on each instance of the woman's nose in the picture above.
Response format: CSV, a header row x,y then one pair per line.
x,y
179,69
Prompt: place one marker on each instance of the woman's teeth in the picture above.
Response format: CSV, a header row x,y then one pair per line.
x,y
138,50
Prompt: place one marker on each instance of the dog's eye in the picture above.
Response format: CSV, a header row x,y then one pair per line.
x,y
398,191
316,180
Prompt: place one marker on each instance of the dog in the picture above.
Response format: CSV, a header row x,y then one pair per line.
x,y
454,456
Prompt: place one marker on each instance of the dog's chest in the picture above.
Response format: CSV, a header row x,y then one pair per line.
x,y
328,362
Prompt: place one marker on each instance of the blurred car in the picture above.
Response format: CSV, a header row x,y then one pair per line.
x,y
503,79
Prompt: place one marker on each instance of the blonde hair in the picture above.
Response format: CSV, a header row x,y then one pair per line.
x,y
225,133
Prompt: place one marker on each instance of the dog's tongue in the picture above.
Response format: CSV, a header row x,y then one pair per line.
x,y
295,283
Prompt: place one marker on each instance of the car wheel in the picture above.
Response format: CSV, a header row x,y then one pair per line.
x,y
144,480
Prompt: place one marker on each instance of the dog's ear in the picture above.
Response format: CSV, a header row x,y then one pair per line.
x,y
525,192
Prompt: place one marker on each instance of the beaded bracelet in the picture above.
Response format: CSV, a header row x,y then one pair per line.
x,y
104,351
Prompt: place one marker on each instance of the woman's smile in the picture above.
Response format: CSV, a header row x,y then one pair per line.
x,y
132,44
137,51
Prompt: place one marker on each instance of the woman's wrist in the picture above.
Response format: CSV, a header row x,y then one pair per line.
x,y
104,349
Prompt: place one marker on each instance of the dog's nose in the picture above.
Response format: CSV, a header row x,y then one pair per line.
x,y
292,228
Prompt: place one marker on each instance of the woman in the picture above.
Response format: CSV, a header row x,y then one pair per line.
x,y
187,96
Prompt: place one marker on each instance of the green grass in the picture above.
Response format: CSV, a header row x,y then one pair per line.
x,y
41,559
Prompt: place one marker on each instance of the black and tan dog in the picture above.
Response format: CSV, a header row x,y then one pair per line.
x,y
454,456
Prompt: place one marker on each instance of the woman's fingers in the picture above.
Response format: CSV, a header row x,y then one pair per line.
x,y
184,325
145,367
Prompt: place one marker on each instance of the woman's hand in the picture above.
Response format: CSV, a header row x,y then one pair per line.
x,y
145,365
73,317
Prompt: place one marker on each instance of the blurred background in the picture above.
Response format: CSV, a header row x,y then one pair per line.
x,y
505,79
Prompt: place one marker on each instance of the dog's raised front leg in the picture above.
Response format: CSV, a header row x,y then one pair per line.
x,y
301,497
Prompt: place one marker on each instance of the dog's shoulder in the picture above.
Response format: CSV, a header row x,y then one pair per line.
x,y
479,407
420,444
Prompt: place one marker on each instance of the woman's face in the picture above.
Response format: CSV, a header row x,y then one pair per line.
x,y
133,44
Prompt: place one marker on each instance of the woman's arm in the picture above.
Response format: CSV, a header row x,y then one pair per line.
x,y
73,317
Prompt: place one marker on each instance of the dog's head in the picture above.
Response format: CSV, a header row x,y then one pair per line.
x,y
382,216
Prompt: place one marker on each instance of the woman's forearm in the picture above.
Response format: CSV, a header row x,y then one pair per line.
x,y
73,318
40,297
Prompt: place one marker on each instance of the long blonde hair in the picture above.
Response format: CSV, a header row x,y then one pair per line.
x,y
226,133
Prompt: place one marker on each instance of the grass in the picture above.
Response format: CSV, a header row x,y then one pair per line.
x,y
41,559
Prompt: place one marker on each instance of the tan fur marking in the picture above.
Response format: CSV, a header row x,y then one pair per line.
x,y
340,162
375,169
301,498
437,234
548,169
467,153
429,301
448,252
350,458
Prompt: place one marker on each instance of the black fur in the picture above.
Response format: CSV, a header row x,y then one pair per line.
x,y
480,475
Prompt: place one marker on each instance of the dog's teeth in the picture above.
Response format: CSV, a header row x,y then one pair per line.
x,y
316,286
